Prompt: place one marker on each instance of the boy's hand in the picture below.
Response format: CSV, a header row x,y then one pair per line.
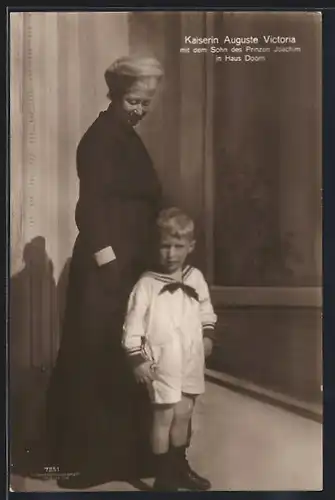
x,y
144,373
208,346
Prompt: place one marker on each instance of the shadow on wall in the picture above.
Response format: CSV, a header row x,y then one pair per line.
x,y
61,290
36,310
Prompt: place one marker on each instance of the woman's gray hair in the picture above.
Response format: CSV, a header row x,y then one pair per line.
x,y
125,71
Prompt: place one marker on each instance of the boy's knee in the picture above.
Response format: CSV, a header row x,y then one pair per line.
x,y
163,415
184,409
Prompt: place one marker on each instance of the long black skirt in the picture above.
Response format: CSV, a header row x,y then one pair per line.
x,y
98,417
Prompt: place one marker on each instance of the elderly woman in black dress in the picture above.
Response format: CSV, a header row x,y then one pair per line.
x,y
97,414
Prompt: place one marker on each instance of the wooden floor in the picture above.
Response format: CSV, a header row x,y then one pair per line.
x,y
240,444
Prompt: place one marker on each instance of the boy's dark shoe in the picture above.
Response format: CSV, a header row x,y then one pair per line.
x,y
184,476
190,480
164,474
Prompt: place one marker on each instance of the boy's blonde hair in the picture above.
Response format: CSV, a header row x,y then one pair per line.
x,y
174,222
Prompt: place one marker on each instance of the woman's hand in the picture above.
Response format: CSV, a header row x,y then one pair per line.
x,y
208,346
145,372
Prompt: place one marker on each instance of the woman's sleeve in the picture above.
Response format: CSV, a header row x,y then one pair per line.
x,y
208,316
94,166
134,328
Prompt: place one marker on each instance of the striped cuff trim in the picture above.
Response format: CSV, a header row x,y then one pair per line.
x,y
208,325
134,350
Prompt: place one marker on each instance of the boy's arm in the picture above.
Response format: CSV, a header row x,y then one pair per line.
x,y
208,316
134,328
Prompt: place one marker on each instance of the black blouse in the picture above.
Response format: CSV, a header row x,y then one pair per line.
x,y
119,190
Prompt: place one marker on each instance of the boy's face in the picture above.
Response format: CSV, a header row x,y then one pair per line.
x,y
173,252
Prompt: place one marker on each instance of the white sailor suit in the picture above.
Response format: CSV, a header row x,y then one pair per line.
x,y
165,323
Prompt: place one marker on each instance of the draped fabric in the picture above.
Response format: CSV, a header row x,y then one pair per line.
x,y
267,156
57,89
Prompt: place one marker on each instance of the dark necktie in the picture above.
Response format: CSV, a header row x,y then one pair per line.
x,y
172,287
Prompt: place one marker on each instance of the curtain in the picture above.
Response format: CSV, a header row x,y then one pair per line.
x,y
57,90
267,156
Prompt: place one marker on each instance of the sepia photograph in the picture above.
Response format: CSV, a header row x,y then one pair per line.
x,y
165,288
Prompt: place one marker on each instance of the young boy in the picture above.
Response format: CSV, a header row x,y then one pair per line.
x,y
168,332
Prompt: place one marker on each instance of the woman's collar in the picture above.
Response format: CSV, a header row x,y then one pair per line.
x,y
116,120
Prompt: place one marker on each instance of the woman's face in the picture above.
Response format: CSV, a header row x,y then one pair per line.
x,y
136,101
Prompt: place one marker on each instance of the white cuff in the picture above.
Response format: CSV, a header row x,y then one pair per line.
x,y
104,256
